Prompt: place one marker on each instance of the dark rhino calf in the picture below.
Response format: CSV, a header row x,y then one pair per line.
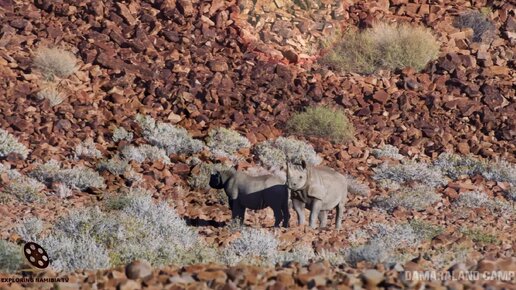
x,y
253,192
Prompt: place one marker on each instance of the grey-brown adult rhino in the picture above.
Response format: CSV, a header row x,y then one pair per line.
x,y
319,189
253,192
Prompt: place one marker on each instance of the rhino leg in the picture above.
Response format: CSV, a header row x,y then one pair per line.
x,y
286,214
338,216
299,207
238,212
314,213
278,216
323,218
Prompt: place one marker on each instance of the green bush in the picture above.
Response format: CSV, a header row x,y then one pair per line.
x,y
480,236
322,122
384,46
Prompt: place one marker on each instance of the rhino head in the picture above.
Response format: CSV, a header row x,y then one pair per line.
x,y
216,180
297,175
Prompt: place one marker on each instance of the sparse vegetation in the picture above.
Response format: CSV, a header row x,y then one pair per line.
x,y
173,139
9,144
418,197
87,149
383,245
10,257
322,122
272,153
252,247
483,28
120,133
385,46
409,171
80,177
115,165
388,151
478,199
52,62
144,153
25,189
61,190
137,228
52,93
479,236
225,142
425,230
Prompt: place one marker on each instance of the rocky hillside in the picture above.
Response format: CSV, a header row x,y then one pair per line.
x,y
141,110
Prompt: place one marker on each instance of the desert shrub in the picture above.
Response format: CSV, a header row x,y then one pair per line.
x,y
388,151
115,165
80,177
322,122
11,173
55,62
483,28
225,142
29,229
87,149
70,253
409,171
201,179
510,194
384,46
252,247
383,245
424,230
144,153
173,139
11,257
356,187
52,93
478,199
501,171
443,258
418,197
25,189
303,255
456,166
120,133
61,190
479,236
136,228
273,153
9,144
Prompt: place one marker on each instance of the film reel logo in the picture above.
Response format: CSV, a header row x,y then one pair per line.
x,y
36,255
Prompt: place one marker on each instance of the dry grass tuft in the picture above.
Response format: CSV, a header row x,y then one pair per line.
x,y
385,46
54,62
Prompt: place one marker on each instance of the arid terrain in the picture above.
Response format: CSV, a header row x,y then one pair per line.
x,y
113,114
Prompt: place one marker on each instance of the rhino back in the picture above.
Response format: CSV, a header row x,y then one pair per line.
x,y
248,184
335,185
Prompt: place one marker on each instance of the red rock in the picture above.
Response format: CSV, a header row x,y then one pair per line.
x,y
138,269
126,14
463,148
381,96
291,55
186,7
181,168
218,65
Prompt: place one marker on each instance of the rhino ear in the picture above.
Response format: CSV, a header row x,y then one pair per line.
x,y
303,164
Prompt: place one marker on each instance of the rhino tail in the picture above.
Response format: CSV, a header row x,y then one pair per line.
x,y
356,187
